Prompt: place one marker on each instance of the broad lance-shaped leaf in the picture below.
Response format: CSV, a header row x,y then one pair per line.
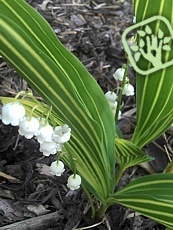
x,y
44,38
30,45
86,88
154,92
127,154
151,196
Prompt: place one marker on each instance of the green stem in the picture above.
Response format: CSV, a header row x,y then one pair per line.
x,y
42,106
72,163
90,200
30,115
48,115
118,175
30,95
100,213
21,92
120,94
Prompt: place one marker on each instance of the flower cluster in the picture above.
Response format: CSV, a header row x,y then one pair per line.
x,y
51,139
127,90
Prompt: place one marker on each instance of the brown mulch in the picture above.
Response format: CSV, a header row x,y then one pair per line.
x,y
30,198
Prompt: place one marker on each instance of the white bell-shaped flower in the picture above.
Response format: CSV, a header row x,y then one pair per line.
x,y
44,133
28,127
62,134
57,168
111,96
74,182
12,113
128,90
119,74
48,148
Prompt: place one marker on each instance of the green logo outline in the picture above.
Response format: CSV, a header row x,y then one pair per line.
x,y
129,52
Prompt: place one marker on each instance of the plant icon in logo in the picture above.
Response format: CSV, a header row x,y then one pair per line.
x,y
155,45
150,46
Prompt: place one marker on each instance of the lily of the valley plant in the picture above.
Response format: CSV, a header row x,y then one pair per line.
x,y
78,122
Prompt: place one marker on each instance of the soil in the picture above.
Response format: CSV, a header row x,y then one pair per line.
x,y
30,197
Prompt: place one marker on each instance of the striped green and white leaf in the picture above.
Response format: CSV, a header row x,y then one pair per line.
x,y
31,47
151,196
128,154
154,92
